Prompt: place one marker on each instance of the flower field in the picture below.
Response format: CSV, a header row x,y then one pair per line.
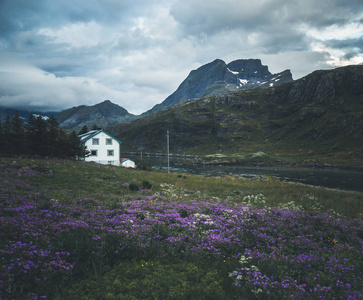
x,y
161,244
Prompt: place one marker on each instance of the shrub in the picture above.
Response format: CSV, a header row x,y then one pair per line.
x,y
133,187
146,185
183,213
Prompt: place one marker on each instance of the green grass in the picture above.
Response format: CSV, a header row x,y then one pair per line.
x,y
68,180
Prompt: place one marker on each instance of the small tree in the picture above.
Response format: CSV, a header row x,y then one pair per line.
x,y
96,127
63,143
53,136
76,147
40,136
1,137
83,130
31,134
7,146
17,134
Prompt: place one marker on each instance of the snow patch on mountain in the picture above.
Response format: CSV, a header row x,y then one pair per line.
x,y
243,81
45,118
233,72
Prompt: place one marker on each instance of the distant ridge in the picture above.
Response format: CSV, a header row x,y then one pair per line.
x,y
103,115
24,114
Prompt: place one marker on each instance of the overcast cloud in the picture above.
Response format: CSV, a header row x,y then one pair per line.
x,y
58,54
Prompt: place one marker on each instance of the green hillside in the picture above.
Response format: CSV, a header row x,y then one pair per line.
x,y
315,119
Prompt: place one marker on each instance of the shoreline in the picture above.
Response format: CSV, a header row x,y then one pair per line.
x,y
287,165
247,164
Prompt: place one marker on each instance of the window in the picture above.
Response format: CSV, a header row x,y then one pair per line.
x,y
108,141
110,153
95,141
93,152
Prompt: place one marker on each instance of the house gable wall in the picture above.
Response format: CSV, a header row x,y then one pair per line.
x,y
128,163
103,149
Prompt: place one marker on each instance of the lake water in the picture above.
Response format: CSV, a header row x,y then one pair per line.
x,y
331,178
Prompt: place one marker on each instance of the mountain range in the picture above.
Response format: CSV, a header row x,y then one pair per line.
x,y
241,107
214,78
318,117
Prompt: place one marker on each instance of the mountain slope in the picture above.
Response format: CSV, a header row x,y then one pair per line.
x,y
319,115
103,114
217,77
24,114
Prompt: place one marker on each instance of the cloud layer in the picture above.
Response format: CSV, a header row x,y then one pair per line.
x,y
59,54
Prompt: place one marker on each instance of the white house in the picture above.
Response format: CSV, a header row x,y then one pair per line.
x,y
103,147
128,163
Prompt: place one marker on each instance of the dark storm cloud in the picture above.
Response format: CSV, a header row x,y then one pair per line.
x,y
59,54
200,16
27,14
17,15
346,44
280,24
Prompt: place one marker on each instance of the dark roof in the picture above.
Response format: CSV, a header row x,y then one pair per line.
x,y
90,134
126,159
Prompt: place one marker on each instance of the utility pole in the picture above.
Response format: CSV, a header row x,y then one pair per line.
x,y
167,142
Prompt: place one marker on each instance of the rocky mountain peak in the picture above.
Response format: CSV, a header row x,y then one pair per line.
x,y
217,78
103,114
107,108
249,68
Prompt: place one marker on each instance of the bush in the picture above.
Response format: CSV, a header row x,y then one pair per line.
x,y
183,213
133,187
146,185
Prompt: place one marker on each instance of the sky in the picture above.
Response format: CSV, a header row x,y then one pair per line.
x,y
58,54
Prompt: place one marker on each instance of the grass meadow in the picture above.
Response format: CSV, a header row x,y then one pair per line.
x,y
77,230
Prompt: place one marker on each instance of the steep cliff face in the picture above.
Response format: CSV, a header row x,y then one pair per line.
x,y
249,68
320,113
217,78
326,87
103,115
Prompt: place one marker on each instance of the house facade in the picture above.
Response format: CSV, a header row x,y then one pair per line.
x,y
103,147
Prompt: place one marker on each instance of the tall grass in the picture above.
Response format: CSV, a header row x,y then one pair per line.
x,y
69,178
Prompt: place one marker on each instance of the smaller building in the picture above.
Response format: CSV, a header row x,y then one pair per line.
x,y
127,163
103,147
